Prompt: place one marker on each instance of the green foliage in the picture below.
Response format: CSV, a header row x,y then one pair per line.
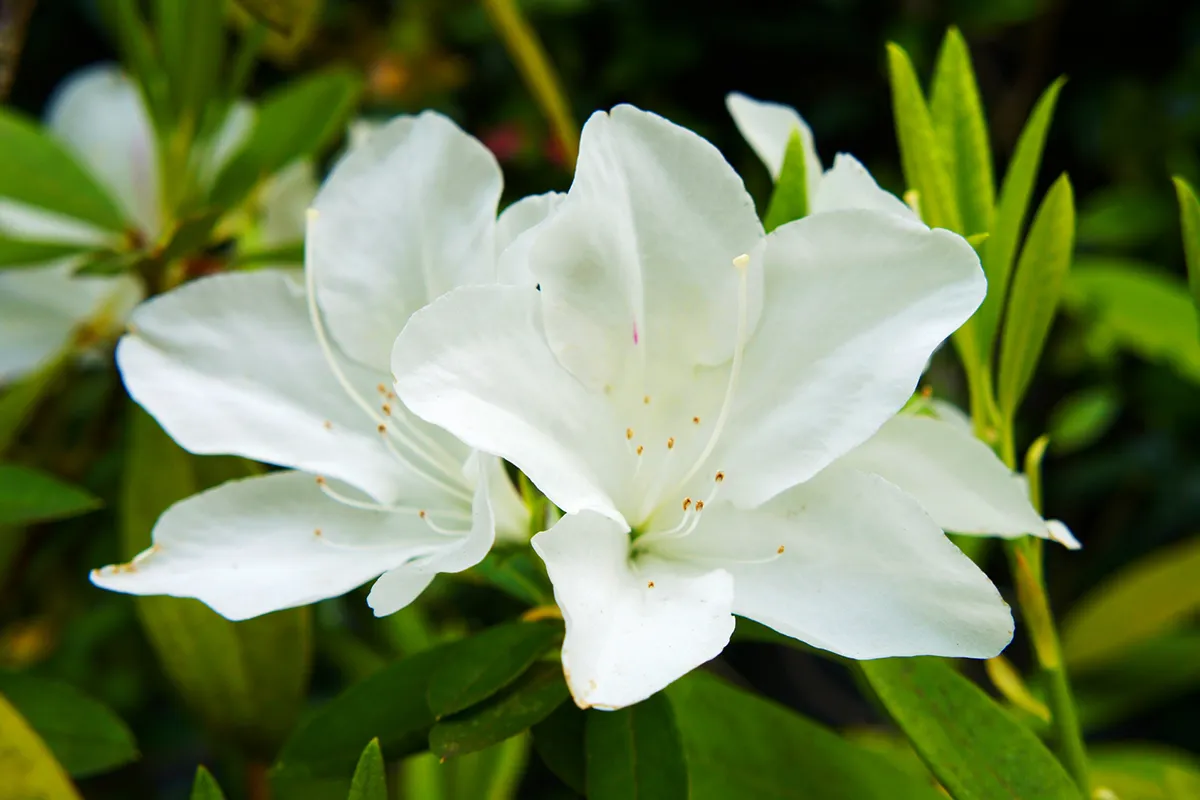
x,y
476,668
22,253
205,786
191,40
369,782
635,752
282,15
28,768
559,741
1137,679
1082,418
789,201
973,746
1146,772
1037,288
1189,222
86,737
28,496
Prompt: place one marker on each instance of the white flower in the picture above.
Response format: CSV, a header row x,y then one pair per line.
x,y
956,478
243,364
682,386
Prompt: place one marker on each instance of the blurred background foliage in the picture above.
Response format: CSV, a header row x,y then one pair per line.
x,y
1118,390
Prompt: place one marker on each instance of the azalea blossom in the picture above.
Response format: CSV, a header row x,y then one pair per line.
x,y
958,479
295,373
685,388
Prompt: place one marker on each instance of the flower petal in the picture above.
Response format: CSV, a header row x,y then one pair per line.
x,y
640,253
631,628
261,544
767,127
476,363
403,218
848,185
230,364
865,573
401,585
956,478
98,112
284,201
856,301
21,221
516,231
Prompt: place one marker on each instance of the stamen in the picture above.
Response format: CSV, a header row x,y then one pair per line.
x,y
646,400
695,420
629,433
438,528
640,448
364,505
671,443
687,503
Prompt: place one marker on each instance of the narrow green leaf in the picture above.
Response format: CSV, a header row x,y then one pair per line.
x,y
138,53
21,253
789,201
294,122
558,739
284,254
1081,418
246,680
971,744
29,769
1141,601
1145,772
962,129
37,170
526,702
1037,287
192,43
205,786
517,572
738,744
635,752
281,15
28,496
1141,677
85,736
1189,222
103,263
370,782
921,151
1015,193
19,399
476,668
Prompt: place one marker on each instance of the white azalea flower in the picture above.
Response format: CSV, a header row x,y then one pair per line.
x,y
682,386
958,480
243,364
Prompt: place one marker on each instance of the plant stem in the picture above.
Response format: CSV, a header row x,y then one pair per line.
x,y
538,73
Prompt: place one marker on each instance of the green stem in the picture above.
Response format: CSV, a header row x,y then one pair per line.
x,y
538,73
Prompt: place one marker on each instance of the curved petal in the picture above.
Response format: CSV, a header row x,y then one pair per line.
x,y
632,629
848,185
767,127
230,364
640,253
283,203
21,221
865,573
516,231
956,478
476,363
403,218
234,130
261,544
401,585
856,303
98,112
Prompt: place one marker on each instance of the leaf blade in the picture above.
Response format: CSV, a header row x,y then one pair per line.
x,y
29,496
635,752
789,200
369,782
1189,223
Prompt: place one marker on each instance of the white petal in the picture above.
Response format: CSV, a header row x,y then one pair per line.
x,y
261,544
1060,533
512,515
865,574
949,413
403,218
516,231
631,628
956,478
767,127
477,363
856,301
848,185
98,112
400,585
230,364
283,202
640,253
21,221
226,142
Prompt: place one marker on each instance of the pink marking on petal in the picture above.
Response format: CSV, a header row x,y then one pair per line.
x,y
635,332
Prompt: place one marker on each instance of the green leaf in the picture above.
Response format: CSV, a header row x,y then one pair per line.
x,y
971,744
1142,677
25,762
192,43
558,739
1037,288
1141,601
526,702
294,122
635,752
1015,193
205,786
103,263
28,496
517,572
962,129
921,151
1189,222
738,744
85,736
19,399
283,16
1081,418
125,23
789,201
284,254
246,680
476,668
38,170
1145,772
369,781
21,253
